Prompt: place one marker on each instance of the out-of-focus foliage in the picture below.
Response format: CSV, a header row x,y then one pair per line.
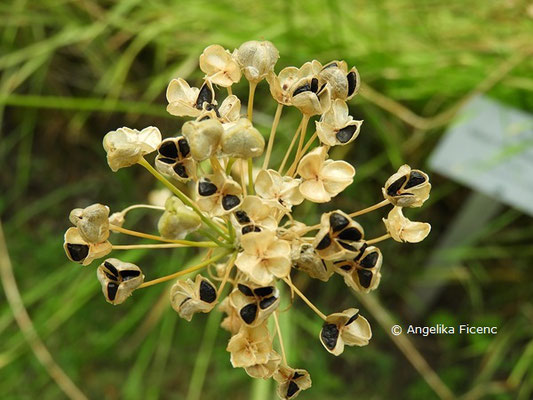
x,y
73,70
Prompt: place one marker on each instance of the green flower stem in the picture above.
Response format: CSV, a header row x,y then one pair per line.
x,y
231,231
299,152
287,154
231,161
272,136
184,198
379,239
186,271
153,237
215,239
371,208
251,94
251,190
163,246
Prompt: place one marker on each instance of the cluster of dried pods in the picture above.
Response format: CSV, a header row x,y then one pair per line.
x,y
245,210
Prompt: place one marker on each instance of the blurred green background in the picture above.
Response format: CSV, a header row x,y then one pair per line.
x,y
73,70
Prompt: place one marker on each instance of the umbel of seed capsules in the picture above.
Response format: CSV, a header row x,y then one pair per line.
x,y
230,196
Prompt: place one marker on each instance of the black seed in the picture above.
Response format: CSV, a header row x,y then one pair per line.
x,y
207,292
185,300
78,252
109,276
415,179
345,134
296,375
248,313
352,234
206,188
392,190
167,160
352,319
324,265
292,389
168,149
365,277
370,260
183,145
242,217
210,107
181,171
352,82
129,274
245,289
205,118
247,229
346,267
324,243
257,229
230,201
112,289
338,221
347,246
265,303
264,291
314,85
330,65
205,96
329,335
361,251
111,268
301,89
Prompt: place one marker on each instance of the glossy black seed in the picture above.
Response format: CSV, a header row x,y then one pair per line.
x,y
392,190
314,85
338,221
265,303
111,268
247,229
329,335
264,291
245,289
352,319
166,160
346,267
109,276
365,277
205,96
415,179
181,171
352,234
78,252
183,145
292,389
207,292
248,313
345,134
352,82
301,89
361,251
370,260
210,107
129,274
242,217
168,149
206,188
347,246
296,375
324,243
230,201
324,265
112,289
330,65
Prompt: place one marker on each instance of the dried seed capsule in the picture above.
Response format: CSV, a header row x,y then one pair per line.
x,y
344,84
305,258
174,159
407,187
242,140
256,59
291,382
361,269
118,279
220,66
92,222
402,229
188,298
346,328
186,101
338,235
250,346
218,194
82,252
265,370
203,137
178,220
253,303
309,97
336,126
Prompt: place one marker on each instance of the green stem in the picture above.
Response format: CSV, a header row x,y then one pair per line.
x,y
253,85
272,136
250,177
184,198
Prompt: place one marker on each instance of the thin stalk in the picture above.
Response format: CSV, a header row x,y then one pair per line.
x,y
186,271
280,338
211,236
379,239
215,164
231,161
230,92
307,301
309,142
229,267
242,165
251,94
299,153
152,237
371,208
272,136
250,177
161,246
288,152
135,206
184,198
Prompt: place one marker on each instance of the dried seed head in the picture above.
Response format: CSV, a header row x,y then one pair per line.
x,y
188,298
305,258
118,279
250,346
265,370
92,222
256,59
361,269
254,215
407,187
291,382
82,252
203,137
309,97
338,235
323,179
336,126
346,328
343,84
402,229
253,303
186,101
125,146
178,220
174,159
220,66
283,190
218,194
241,140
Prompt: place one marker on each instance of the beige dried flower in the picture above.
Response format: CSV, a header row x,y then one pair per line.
x,y
125,146
305,258
254,215
265,370
407,188
257,59
220,66
250,346
203,137
346,328
291,382
186,101
188,298
283,190
82,252
241,140
310,98
336,126
402,229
